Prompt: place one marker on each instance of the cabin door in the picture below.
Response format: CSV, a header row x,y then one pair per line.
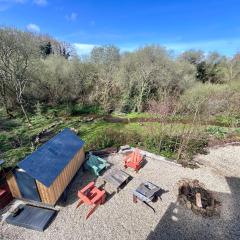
x,y
27,185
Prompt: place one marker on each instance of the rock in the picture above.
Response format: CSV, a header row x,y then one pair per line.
x,y
74,130
125,147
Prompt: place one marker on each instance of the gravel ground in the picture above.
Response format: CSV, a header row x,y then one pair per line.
x,y
120,218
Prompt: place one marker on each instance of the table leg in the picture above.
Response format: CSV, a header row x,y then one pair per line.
x,y
134,199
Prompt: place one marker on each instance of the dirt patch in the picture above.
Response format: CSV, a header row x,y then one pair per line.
x,y
113,119
217,143
193,195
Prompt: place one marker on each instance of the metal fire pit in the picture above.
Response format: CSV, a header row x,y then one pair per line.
x,y
146,192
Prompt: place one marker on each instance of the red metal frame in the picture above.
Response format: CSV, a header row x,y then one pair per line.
x,y
134,160
92,196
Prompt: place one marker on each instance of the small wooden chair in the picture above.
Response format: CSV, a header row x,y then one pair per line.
x,y
96,164
92,196
134,160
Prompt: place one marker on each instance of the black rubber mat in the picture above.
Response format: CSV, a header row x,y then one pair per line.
x,y
31,217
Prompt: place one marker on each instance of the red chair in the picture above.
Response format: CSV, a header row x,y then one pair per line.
x,y
92,196
134,160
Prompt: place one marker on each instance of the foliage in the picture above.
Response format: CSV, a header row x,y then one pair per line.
x,y
229,121
49,72
211,99
44,80
112,137
209,68
219,132
85,109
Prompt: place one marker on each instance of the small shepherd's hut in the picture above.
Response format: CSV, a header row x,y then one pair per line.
x,y
44,175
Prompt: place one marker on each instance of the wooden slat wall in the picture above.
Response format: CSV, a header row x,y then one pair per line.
x,y
51,195
13,185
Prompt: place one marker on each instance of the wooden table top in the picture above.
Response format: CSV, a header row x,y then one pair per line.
x,y
116,177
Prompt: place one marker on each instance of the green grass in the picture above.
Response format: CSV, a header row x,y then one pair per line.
x,y
16,138
228,120
135,115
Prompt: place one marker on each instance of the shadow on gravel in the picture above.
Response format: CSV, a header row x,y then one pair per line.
x,y
80,180
179,223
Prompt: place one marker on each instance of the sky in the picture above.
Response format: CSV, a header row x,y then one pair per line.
x,y
179,25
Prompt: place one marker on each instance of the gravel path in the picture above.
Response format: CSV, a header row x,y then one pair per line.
x,y
120,218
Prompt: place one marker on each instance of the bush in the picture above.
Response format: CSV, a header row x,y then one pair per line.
x,y
196,146
110,137
218,132
211,99
160,143
228,121
163,108
87,109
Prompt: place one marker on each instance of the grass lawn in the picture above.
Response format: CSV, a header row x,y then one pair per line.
x,y
18,140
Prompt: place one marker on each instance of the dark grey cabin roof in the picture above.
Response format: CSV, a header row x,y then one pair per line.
x,y
48,161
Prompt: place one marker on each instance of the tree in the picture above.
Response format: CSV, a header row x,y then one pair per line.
x,y
84,77
48,45
211,69
106,59
148,72
232,67
4,91
46,49
194,57
17,51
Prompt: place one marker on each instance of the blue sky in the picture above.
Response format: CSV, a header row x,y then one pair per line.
x,y
209,25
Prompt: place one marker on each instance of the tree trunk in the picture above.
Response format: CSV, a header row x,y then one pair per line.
x,y
25,114
3,93
140,99
9,114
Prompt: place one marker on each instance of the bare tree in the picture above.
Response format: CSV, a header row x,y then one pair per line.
x,y
16,56
106,58
232,67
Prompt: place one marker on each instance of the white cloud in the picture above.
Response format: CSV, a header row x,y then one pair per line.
x,y
72,16
33,27
40,2
83,48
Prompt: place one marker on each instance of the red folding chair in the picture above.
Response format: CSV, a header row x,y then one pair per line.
x,y
134,160
92,196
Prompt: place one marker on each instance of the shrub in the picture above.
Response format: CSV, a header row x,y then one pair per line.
x,y
211,99
228,121
160,143
219,132
162,108
196,146
87,109
110,137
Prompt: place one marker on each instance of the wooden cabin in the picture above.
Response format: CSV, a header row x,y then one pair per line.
x,y
44,175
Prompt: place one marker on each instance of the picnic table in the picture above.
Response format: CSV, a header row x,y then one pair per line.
x,y
116,178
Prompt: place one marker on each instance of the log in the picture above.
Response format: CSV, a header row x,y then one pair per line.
x,y
198,200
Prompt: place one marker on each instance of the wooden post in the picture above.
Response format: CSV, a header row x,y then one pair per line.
x,y
198,200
